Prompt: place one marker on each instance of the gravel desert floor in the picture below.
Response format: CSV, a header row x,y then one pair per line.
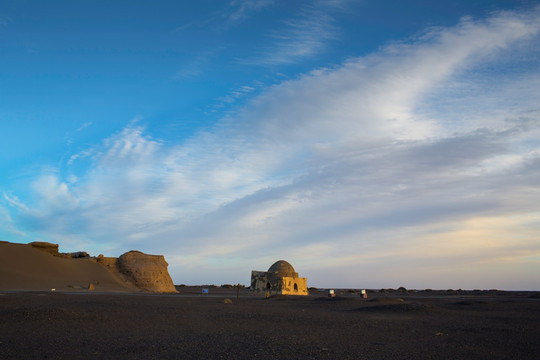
x,y
52,325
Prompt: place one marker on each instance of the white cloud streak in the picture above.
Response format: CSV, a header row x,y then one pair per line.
x,y
382,163
301,37
243,8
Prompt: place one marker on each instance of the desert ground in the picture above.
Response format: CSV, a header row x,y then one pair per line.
x,y
116,321
188,325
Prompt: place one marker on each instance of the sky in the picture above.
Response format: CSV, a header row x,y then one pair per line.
x,y
372,144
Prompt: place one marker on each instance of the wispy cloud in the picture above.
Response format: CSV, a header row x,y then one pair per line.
x,y
232,97
7,225
232,14
301,37
15,202
84,126
244,8
352,167
193,68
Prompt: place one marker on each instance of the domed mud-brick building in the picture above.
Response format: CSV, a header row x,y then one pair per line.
x,y
279,279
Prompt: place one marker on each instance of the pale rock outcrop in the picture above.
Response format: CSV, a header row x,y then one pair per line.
x,y
45,246
53,250
148,272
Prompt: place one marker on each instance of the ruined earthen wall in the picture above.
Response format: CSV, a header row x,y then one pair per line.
x,y
258,281
294,286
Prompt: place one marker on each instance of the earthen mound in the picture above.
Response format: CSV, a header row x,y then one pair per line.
x,y
39,267
148,272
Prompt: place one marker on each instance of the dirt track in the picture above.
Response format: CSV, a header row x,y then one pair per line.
x,y
107,326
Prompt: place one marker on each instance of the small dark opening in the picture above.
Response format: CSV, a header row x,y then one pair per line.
x,y
295,287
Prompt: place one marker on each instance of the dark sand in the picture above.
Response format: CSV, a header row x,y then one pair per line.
x,y
52,325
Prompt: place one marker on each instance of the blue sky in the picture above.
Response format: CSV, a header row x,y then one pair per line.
x,y
369,143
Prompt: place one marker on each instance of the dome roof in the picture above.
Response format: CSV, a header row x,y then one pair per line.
x,y
282,268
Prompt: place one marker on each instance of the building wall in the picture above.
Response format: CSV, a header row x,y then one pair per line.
x,y
294,286
261,283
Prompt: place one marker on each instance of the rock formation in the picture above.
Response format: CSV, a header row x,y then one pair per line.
x,y
39,268
48,268
53,250
45,246
77,255
148,272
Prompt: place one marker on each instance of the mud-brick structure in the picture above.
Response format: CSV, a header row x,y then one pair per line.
x,y
279,279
